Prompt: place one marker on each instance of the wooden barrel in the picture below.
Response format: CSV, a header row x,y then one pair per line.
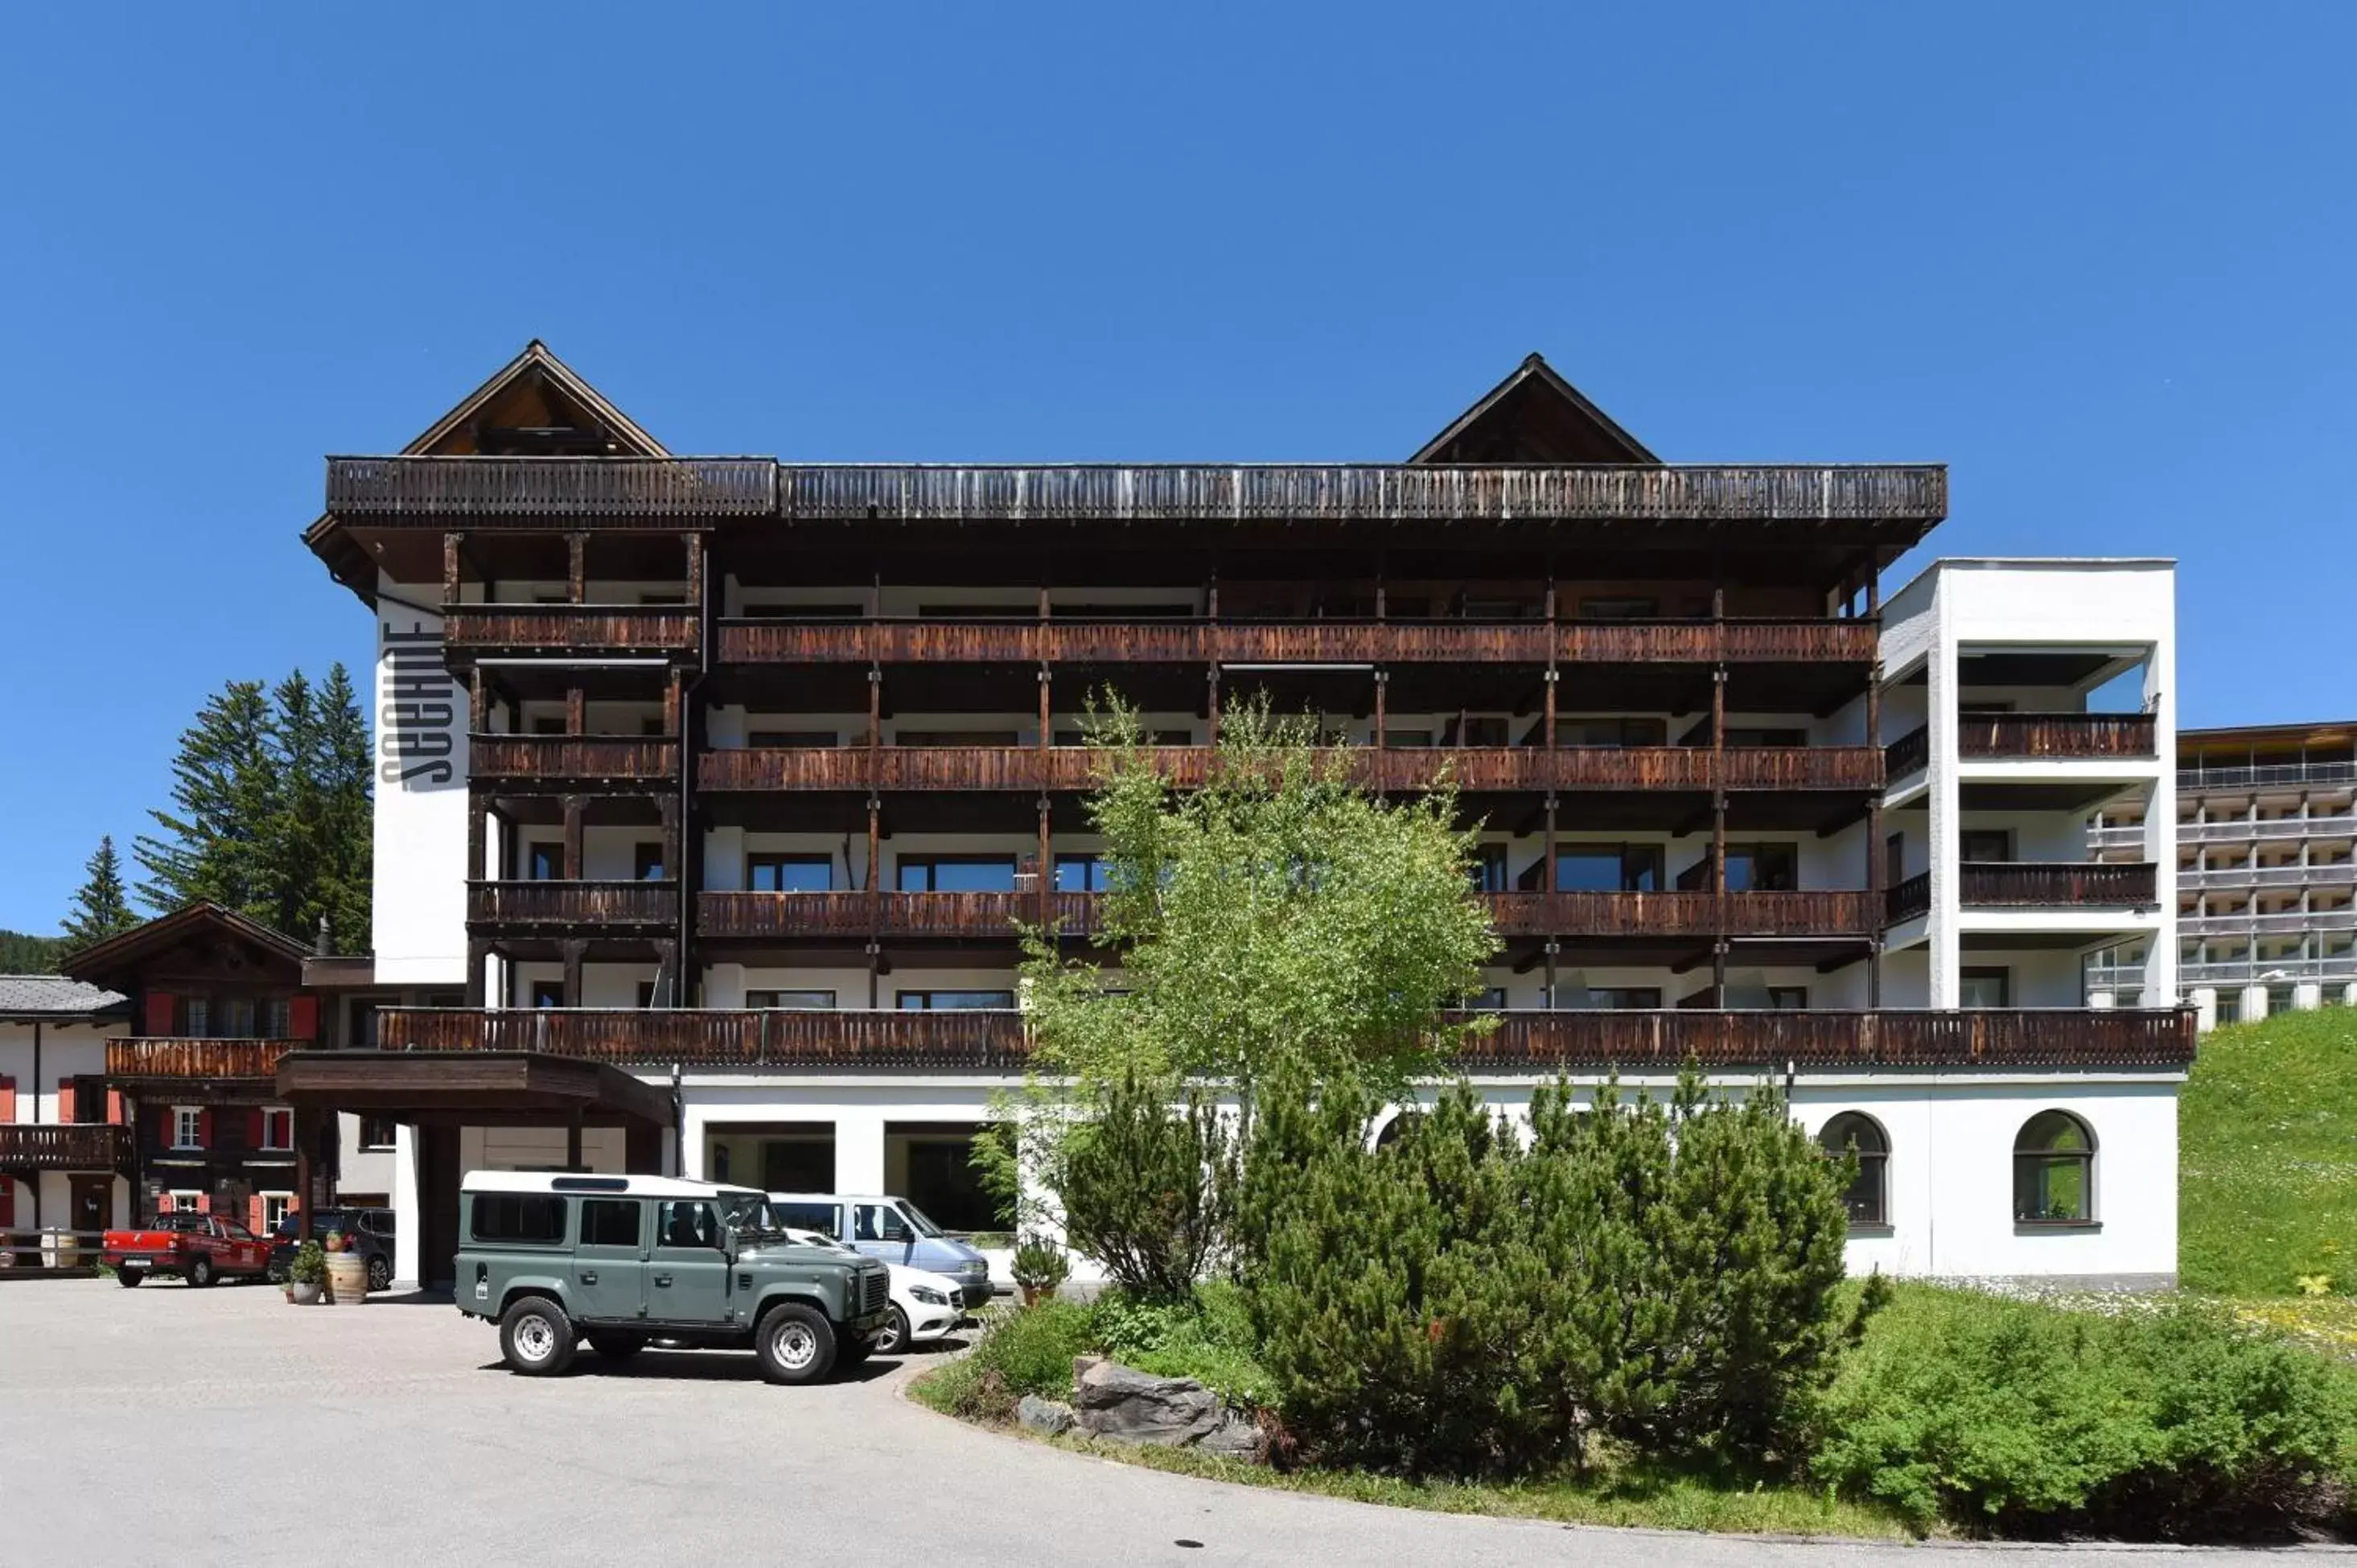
x,y
348,1278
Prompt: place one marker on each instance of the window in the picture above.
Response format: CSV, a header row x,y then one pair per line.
x,y
1488,999
187,1127
646,994
651,727
1608,868
662,598
1894,860
792,1001
1489,868
534,1219
1619,610
877,1222
687,1222
377,1132
186,1203
1868,1200
647,861
276,1019
1409,739
543,862
953,1000
277,1129
1477,729
954,737
1751,737
1788,998
547,993
792,739
2054,1171
825,1219
549,723
609,1221
1612,733
237,1018
1610,998
1763,867
956,874
1985,988
1152,738
1984,844
274,1209
1082,872
789,873
200,1018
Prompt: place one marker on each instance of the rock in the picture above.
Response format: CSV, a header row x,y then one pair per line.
x,y
1117,1401
1080,1365
1044,1415
1237,1438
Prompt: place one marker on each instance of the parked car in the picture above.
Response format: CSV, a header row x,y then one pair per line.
x,y
202,1248
925,1305
615,1262
367,1231
891,1228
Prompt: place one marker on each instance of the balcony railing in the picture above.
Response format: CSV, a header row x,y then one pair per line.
x,y
197,1059
587,905
623,489
2241,779
2336,827
2282,922
571,759
1982,736
1519,1042
1031,770
856,914
1911,753
2190,880
70,1146
1906,899
2008,883
926,641
554,630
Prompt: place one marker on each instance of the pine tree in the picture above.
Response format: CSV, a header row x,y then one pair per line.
x,y
100,909
224,781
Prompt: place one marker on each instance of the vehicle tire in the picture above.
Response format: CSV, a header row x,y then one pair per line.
x,y
202,1272
616,1346
795,1343
127,1278
379,1272
536,1338
893,1337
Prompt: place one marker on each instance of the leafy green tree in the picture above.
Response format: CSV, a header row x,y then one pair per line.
x,y
100,909
271,809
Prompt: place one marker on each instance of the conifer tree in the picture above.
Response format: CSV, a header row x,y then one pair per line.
x,y
100,909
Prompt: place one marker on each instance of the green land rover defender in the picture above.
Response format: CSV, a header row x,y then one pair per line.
x,y
620,1261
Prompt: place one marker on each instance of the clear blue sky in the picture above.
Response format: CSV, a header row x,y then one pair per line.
x,y
2097,258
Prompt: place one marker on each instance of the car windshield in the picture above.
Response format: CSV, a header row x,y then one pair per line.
x,y
812,1239
917,1221
749,1213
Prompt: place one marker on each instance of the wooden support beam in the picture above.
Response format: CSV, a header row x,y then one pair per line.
x,y
479,955
575,951
575,810
450,564
479,814
576,567
674,701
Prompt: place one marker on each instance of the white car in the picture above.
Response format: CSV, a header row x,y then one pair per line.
x,y
925,1305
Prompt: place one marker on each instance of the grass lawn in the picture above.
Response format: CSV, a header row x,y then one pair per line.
x,y
2267,1168
1656,1500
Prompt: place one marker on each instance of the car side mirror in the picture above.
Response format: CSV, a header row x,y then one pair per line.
x,y
896,1231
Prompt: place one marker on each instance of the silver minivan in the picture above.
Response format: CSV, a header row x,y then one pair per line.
x,y
891,1228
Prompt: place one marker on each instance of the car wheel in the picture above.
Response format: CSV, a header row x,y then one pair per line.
x,y
795,1343
200,1272
536,1338
893,1337
127,1278
379,1272
616,1346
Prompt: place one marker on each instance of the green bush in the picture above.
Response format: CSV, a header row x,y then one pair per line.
x,y
310,1266
2165,1422
1017,1353
1207,1336
1146,1190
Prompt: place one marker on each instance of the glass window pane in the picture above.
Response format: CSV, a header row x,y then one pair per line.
x,y
610,1222
1587,871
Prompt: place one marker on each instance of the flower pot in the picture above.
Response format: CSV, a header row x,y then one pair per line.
x,y
347,1278
303,1292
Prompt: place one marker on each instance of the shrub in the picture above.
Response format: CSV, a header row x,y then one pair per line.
x,y
1207,1335
1040,1264
2164,1422
1147,1190
1017,1353
309,1265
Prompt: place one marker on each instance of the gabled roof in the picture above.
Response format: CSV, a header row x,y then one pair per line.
x,y
536,369
122,955
47,996
1533,416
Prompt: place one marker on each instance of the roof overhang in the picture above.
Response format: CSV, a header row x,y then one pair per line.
x,y
510,1087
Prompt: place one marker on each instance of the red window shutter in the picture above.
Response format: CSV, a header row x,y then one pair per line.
x,y
7,1104
205,1199
159,1013
204,1128
9,1203
169,1125
303,1017
113,1108
253,1214
253,1129
65,1099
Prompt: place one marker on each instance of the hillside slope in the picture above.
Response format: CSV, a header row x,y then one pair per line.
x,y
2267,1156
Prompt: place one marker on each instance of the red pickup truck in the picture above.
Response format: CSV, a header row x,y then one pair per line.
x,y
200,1248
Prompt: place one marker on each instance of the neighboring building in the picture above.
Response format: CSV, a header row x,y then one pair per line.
x,y
2265,822
65,1155
709,789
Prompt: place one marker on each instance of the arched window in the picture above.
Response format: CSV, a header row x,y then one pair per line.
x,y
1868,1198
2054,1171
1388,1134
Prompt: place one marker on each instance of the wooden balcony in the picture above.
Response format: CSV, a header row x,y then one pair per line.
x,y
549,631
594,908
856,915
619,489
72,1146
137,1060
2059,736
573,761
905,641
1534,1043
2056,885
1029,769
1911,753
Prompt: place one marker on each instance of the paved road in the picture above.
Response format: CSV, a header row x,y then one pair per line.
x,y
199,1427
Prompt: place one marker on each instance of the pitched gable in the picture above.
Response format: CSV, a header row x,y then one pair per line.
x,y
1533,416
535,404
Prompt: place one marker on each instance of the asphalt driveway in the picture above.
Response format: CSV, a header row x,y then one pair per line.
x,y
223,1426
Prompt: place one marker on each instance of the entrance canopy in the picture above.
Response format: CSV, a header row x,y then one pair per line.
x,y
505,1087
